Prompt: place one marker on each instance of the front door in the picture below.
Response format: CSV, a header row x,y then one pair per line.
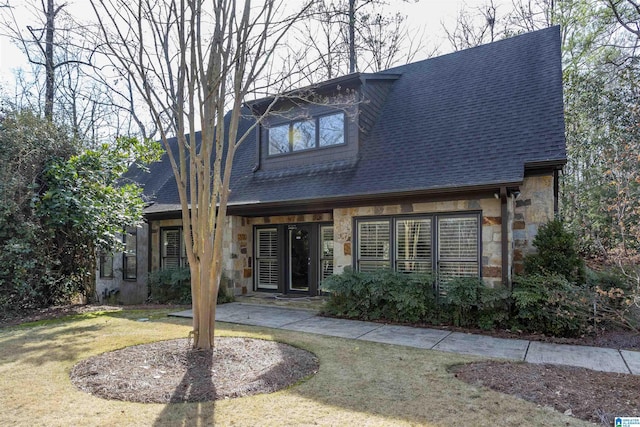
x,y
299,258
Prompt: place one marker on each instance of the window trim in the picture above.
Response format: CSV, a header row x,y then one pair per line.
x,y
182,259
258,258
316,121
125,256
435,250
102,259
321,257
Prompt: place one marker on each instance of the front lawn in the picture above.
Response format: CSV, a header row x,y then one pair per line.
x,y
358,383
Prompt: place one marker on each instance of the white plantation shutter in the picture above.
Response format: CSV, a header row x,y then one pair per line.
x,y
457,247
373,245
267,258
413,245
171,249
326,251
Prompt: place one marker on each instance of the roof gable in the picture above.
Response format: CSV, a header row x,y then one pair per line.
x,y
468,119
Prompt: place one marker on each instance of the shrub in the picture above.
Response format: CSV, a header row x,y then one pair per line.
x,y
381,294
173,286
557,253
550,304
614,297
170,286
472,303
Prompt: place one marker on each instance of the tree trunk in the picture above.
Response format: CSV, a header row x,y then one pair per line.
x,y
352,36
49,65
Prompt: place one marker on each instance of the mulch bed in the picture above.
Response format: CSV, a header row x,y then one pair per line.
x,y
171,371
589,395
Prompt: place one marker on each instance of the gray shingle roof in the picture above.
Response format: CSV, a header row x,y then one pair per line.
x,y
472,118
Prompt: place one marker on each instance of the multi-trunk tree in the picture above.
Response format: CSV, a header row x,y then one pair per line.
x,y
195,63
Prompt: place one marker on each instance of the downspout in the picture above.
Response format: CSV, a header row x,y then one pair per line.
x,y
556,192
505,237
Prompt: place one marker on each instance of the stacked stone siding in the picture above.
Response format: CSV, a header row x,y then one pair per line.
x,y
491,229
525,214
238,245
533,208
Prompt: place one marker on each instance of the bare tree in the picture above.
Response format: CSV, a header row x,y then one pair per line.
x,y
194,65
42,39
355,35
66,78
627,13
475,27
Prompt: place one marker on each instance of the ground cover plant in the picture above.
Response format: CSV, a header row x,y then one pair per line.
x,y
556,296
358,383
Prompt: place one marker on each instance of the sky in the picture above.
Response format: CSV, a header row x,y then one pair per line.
x,y
424,15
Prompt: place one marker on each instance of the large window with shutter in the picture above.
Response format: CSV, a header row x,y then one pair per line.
x,y
373,244
267,258
172,249
457,247
446,244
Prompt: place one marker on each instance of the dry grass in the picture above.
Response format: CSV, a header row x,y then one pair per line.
x,y
358,383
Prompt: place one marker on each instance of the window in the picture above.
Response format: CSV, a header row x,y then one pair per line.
x,y
444,244
173,251
326,251
129,265
373,245
413,245
267,258
106,266
458,247
300,135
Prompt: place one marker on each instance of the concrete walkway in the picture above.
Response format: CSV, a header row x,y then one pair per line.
x,y
596,358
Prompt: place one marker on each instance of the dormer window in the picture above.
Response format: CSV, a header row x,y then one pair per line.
x,y
300,135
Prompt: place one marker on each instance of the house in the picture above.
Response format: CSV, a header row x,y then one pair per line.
x,y
447,165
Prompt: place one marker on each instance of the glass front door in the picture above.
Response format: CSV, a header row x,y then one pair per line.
x,y
299,258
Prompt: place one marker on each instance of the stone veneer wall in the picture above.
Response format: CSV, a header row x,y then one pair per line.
x,y
236,262
238,246
491,229
531,209
236,253
534,207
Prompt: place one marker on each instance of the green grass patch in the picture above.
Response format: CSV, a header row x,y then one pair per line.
x,y
358,383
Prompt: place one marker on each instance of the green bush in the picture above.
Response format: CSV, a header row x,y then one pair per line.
x,y
173,286
381,294
401,297
471,303
550,304
608,278
170,286
557,254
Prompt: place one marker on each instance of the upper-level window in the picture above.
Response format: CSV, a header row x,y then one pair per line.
x,y
299,135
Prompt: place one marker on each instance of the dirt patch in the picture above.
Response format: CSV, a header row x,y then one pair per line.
x,y
171,371
589,395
